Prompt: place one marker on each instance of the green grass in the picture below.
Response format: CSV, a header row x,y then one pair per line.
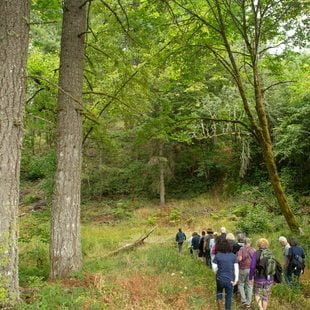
x,y
152,276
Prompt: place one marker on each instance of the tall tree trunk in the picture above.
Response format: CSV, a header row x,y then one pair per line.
x,y
266,145
65,247
14,17
162,174
261,129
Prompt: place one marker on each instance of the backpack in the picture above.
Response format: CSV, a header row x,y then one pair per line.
x,y
180,237
298,262
206,245
265,263
277,278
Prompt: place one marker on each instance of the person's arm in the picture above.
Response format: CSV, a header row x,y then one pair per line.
x,y
252,267
290,254
303,253
239,255
214,265
236,269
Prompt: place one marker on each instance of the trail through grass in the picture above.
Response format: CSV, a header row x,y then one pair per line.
x,y
152,276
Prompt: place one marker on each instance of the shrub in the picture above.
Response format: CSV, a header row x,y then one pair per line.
x,y
30,198
175,216
256,220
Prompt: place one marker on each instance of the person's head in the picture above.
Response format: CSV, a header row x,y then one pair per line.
x,y
223,230
215,233
247,241
262,243
240,236
203,233
223,246
180,229
283,240
230,236
209,231
293,241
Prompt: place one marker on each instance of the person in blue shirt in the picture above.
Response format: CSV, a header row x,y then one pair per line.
x,y
296,264
195,244
225,265
180,238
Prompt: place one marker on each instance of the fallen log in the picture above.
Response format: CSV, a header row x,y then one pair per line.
x,y
130,246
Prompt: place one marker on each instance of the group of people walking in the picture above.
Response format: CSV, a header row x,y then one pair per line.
x,y
241,267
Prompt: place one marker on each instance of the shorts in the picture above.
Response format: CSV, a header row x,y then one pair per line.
x,y
263,289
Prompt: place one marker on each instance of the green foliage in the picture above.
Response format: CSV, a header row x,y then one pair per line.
x,y
152,220
292,146
289,294
40,168
30,198
255,220
175,216
121,213
57,296
34,262
35,226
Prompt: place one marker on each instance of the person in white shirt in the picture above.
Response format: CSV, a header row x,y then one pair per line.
x,y
286,248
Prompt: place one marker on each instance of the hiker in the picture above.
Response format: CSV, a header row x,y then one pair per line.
x,y
180,238
296,265
218,240
189,241
225,265
195,244
260,273
232,241
234,248
206,246
245,286
201,252
286,248
223,232
240,237
212,245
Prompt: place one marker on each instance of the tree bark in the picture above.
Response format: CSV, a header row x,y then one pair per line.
x,y
266,146
161,175
14,28
261,128
132,245
65,246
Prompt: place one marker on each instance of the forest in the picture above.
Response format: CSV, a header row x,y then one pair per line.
x,y
128,118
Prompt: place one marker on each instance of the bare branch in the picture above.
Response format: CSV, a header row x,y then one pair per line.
x,y
44,23
124,12
196,15
99,50
117,18
88,114
28,100
278,83
41,118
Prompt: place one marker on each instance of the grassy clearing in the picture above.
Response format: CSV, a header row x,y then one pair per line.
x,y
153,276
